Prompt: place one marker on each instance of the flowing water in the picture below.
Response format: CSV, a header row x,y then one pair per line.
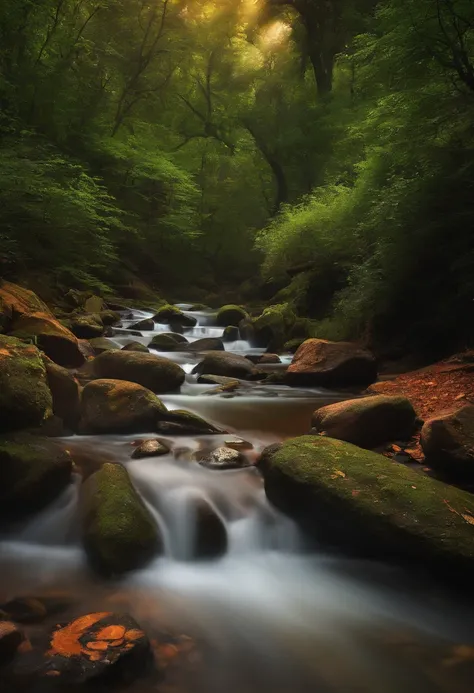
x,y
270,615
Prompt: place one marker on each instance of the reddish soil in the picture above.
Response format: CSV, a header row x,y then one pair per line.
x,y
433,389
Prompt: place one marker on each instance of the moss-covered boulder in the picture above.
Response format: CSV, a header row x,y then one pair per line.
x,y
85,326
228,364
110,317
231,334
231,316
154,372
163,342
119,534
332,364
65,391
206,344
146,325
357,499
447,440
168,315
117,406
178,337
50,336
33,472
272,328
367,421
292,345
136,346
25,397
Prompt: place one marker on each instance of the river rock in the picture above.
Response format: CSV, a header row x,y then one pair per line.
x,y
223,458
102,344
150,448
358,500
85,326
225,363
231,334
34,471
50,336
94,646
207,344
178,338
163,342
25,610
272,328
110,317
170,314
210,537
146,325
65,391
25,397
447,440
188,423
136,346
11,638
263,358
119,533
230,316
208,379
367,421
331,364
118,406
154,372
222,389
16,301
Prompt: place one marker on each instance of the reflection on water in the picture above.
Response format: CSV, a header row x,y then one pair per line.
x,y
266,616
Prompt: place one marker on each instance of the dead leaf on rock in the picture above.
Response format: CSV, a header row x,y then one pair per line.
x,y
468,518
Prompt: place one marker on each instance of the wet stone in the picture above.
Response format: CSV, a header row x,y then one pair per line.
x,y
223,458
150,448
11,637
25,610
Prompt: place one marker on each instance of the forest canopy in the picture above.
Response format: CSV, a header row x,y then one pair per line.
x,y
323,145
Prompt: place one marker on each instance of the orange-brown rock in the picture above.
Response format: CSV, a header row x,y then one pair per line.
x,y
50,336
331,364
16,301
447,440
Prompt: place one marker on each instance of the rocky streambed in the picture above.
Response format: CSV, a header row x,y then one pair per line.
x,y
168,524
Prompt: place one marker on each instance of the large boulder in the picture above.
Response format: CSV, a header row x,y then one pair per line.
x,y
154,372
109,317
101,344
119,534
230,316
332,364
273,327
85,326
163,342
33,471
146,325
168,315
117,406
65,391
25,398
367,421
231,334
225,363
136,346
447,440
206,344
357,499
16,301
50,336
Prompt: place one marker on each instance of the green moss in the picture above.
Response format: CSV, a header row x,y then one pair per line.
x,y
153,372
25,398
379,492
292,345
119,532
163,342
187,418
231,315
273,326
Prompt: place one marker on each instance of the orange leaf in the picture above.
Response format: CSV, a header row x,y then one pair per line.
x,y
65,641
134,634
116,643
468,518
111,633
101,645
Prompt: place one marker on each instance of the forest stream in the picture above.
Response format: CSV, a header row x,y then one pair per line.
x,y
273,614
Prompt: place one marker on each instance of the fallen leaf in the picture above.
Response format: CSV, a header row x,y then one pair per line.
x,y
468,518
450,508
111,633
134,634
101,645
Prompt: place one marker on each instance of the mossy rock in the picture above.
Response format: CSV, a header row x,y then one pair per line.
x,y
17,301
231,334
33,472
136,346
227,364
65,391
359,500
119,534
198,307
146,325
117,406
447,440
367,421
292,345
178,338
190,423
102,344
153,372
57,342
163,342
206,344
85,326
231,316
169,314
273,327
110,317
25,397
